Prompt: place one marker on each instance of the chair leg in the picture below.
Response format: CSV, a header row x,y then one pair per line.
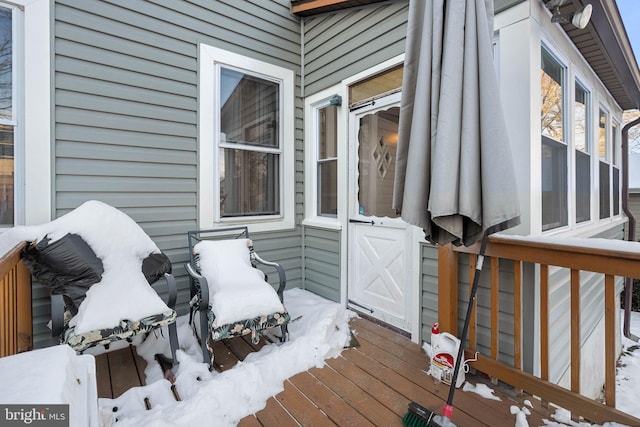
x,y
204,335
285,333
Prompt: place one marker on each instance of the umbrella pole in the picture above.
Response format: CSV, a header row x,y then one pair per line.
x,y
448,408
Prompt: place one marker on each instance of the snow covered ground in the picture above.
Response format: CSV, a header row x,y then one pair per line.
x,y
320,331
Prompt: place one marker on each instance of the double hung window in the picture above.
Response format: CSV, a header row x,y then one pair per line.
x,y
327,163
246,141
554,146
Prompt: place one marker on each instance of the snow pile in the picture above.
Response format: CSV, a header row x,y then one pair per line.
x,y
231,278
50,376
628,375
481,389
319,331
123,292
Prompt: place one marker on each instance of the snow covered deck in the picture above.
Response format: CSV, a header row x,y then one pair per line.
x,y
370,384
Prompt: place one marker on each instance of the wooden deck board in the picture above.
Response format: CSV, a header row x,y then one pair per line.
x,y
301,408
121,369
339,411
371,384
355,397
275,415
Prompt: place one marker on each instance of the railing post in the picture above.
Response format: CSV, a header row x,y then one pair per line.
x,y
15,304
448,289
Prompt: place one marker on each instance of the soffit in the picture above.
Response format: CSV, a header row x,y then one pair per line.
x,y
605,45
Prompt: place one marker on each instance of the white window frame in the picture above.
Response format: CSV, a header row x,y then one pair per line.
x,y
210,58
313,104
33,110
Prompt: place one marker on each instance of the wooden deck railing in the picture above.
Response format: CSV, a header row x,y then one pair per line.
x,y
610,262
15,304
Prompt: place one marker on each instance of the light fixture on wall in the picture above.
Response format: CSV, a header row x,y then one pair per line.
x,y
578,19
336,100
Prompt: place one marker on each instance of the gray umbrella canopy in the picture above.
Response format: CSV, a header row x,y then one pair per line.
x,y
454,170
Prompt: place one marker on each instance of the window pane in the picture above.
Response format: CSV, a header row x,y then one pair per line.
x,y
554,184
378,138
614,132
6,64
328,188
604,191
376,85
616,191
249,183
6,175
603,138
581,119
583,190
250,109
328,132
552,98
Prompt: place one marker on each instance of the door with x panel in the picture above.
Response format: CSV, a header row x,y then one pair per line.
x,y
379,242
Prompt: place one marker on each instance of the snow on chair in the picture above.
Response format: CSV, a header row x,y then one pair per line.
x,y
231,295
98,266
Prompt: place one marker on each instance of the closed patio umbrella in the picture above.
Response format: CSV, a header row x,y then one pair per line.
x,y
454,170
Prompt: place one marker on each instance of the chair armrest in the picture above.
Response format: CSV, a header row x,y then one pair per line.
x,y
172,289
57,315
204,285
279,269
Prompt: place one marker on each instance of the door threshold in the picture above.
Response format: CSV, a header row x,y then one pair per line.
x,y
379,322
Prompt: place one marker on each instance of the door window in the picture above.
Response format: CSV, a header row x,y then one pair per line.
x,y
377,141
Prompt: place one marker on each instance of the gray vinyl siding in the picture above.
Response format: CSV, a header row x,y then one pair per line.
x,y
634,207
428,290
341,44
322,262
591,308
125,113
429,306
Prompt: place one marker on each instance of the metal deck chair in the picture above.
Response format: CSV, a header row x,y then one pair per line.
x,y
232,296
67,287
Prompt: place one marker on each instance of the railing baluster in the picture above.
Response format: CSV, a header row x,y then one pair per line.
x,y
4,319
575,330
472,322
517,317
610,340
544,326
495,306
544,322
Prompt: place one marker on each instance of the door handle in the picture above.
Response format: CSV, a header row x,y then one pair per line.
x,y
359,221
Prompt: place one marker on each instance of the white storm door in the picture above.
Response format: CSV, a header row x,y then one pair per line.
x,y
379,242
